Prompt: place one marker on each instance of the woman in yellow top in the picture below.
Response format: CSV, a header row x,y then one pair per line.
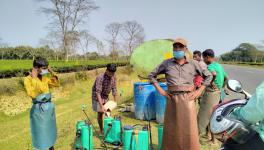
x,y
42,113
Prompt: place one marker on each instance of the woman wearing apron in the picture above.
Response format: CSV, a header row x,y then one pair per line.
x,y
42,113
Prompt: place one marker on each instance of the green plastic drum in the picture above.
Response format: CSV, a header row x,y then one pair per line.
x,y
160,135
127,134
139,141
78,130
86,137
150,54
107,124
112,130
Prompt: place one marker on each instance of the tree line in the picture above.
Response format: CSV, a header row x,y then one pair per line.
x,y
245,52
68,36
28,52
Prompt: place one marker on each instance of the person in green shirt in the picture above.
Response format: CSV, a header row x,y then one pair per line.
x,y
251,113
212,95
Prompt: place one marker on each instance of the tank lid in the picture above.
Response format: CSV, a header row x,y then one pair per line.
x,y
142,83
162,84
128,127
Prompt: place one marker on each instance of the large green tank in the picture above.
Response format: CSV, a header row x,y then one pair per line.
x,y
84,136
135,138
160,135
112,130
150,54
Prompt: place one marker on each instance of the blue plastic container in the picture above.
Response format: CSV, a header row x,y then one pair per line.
x,y
144,101
160,104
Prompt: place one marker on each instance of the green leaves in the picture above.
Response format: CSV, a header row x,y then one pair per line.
x,y
245,52
13,68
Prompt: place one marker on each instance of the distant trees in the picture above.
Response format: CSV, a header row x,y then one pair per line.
x,y
52,40
127,35
2,44
133,35
67,16
26,52
69,38
245,52
113,31
85,42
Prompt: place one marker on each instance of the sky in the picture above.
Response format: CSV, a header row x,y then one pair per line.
x,y
217,24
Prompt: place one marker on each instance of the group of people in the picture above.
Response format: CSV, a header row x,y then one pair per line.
x,y
42,113
213,94
204,80
188,81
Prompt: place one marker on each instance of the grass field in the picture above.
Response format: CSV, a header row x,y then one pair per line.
x,y
15,131
19,68
27,64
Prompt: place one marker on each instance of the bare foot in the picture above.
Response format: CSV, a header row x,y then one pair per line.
x,y
212,142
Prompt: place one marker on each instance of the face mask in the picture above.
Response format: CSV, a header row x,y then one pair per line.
x,y
44,72
178,54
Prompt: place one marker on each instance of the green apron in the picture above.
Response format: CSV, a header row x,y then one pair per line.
x,y
43,122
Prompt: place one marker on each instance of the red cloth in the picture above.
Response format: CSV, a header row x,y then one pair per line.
x,y
198,81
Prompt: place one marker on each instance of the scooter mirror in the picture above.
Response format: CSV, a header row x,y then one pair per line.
x,y
235,86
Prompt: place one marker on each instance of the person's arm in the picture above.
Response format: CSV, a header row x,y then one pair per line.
x,y
207,75
214,77
114,90
158,70
206,82
253,111
153,78
100,101
98,87
31,84
161,91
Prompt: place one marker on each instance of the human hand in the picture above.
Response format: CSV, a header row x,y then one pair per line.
x,y
227,92
103,108
194,95
214,86
50,69
167,95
